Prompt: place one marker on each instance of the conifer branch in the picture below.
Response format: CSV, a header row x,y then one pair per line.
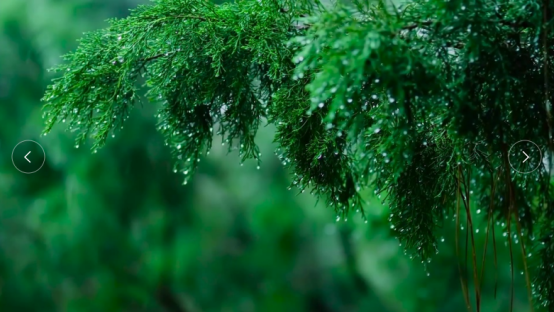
x,y
381,101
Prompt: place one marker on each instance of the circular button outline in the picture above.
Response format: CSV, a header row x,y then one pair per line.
x,y
43,152
540,158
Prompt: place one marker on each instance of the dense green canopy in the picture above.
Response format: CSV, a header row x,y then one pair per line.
x,y
420,101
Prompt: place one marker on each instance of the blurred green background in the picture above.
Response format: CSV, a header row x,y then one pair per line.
x,y
117,230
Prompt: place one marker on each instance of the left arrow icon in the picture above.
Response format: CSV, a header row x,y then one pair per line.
x,y
28,156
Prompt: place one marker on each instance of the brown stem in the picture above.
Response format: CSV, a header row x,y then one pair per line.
x,y
472,235
462,280
525,267
157,56
417,25
490,222
511,201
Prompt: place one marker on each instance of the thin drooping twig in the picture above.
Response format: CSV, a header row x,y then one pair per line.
x,y
525,267
467,248
490,222
495,261
472,235
509,217
511,202
462,280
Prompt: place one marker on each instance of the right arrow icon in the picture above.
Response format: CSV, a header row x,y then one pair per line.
x,y
526,156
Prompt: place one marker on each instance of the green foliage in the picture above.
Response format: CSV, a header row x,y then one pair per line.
x,y
420,101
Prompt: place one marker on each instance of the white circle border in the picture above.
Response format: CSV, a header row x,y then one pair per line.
x,y
540,158
43,152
